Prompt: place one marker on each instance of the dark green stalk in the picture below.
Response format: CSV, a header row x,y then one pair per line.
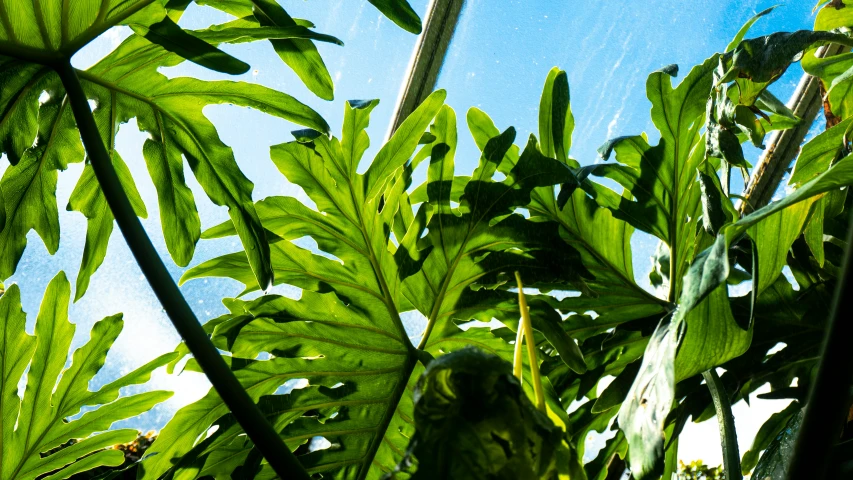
x,y
825,411
728,436
259,430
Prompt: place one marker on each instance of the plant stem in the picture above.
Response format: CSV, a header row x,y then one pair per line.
x,y
728,436
670,466
256,426
525,328
827,404
516,356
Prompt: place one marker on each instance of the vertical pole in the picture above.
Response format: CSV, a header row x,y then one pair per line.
x,y
784,145
427,58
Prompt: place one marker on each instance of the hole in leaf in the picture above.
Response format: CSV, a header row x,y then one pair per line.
x,y
308,243
786,270
291,385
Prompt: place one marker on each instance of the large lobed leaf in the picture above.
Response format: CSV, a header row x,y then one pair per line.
x,y
125,85
482,240
353,299
51,31
376,261
42,419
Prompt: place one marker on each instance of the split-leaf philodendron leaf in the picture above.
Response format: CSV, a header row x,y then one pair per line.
x,y
702,326
378,261
126,84
36,422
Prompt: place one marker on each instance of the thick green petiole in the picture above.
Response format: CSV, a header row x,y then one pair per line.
x,y
259,430
728,436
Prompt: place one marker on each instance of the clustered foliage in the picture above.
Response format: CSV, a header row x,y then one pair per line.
x,y
447,248
697,470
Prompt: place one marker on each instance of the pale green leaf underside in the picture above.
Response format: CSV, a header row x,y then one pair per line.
x,y
53,30
38,422
126,85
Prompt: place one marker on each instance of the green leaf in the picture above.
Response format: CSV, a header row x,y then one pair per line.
x,y
242,31
642,415
19,98
484,242
173,38
52,31
587,228
717,209
823,211
88,199
556,121
830,69
713,336
774,236
401,13
746,26
764,59
617,391
662,179
473,420
766,434
353,298
838,175
125,85
833,18
819,153
40,420
773,464
374,261
401,145
299,54
710,268
29,188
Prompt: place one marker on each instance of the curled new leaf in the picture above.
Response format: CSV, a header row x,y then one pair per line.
x,y
474,421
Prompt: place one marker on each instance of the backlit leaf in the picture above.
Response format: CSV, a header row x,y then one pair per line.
x,y
41,419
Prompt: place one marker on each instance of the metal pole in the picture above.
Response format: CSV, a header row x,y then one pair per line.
x,y
784,145
427,58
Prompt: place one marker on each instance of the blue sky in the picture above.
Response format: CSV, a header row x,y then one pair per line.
x,y
497,62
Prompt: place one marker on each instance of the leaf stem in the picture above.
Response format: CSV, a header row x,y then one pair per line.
x,y
525,328
728,436
825,411
516,356
208,357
